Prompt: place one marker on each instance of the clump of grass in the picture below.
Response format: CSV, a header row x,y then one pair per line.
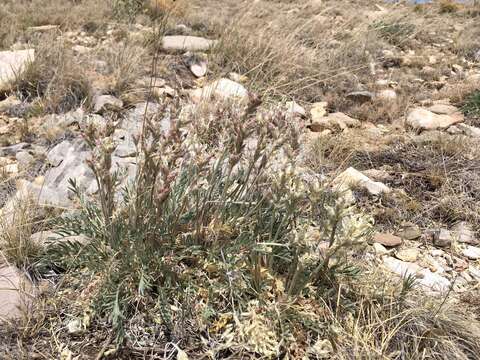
x,y
125,65
395,32
54,79
17,223
471,107
286,59
448,7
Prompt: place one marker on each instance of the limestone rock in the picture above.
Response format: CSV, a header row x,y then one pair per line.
x,y
16,293
197,63
13,63
424,119
379,249
471,252
332,122
409,255
352,178
442,238
463,233
387,240
425,277
9,103
44,195
13,149
43,29
318,110
24,159
223,89
186,43
68,159
294,109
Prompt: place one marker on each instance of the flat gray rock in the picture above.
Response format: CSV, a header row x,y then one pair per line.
x,y
68,159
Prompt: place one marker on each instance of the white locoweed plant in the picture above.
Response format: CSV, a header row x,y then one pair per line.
x,y
210,242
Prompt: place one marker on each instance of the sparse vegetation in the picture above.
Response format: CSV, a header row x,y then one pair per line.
x,y
54,78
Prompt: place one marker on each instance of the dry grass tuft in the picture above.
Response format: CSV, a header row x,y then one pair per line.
x,y
55,78
125,64
17,221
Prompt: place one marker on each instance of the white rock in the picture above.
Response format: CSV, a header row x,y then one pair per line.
x,y
9,103
237,77
469,130
223,89
475,272
16,293
44,195
352,178
294,109
199,69
12,64
380,249
424,119
186,43
318,110
410,255
75,327
464,233
387,94
42,238
472,252
43,29
425,277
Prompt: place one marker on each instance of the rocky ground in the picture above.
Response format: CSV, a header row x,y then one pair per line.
x,y
383,99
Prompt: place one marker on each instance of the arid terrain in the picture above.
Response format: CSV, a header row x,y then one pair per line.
x,y
248,179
